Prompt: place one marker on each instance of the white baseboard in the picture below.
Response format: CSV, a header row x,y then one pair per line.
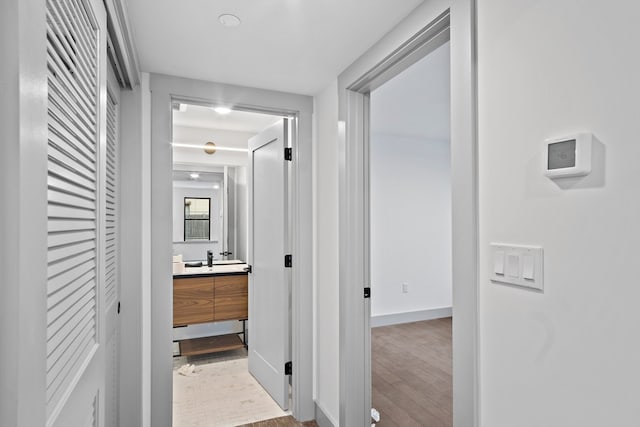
x,y
411,316
322,418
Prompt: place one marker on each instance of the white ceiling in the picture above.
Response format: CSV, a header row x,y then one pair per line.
x,y
206,177
204,117
416,103
289,45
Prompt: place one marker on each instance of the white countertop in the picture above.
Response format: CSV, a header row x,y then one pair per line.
x,y
216,269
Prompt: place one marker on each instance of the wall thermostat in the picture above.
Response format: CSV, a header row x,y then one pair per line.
x,y
568,156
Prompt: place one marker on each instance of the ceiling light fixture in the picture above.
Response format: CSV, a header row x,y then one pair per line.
x,y
222,110
194,176
210,147
199,147
229,20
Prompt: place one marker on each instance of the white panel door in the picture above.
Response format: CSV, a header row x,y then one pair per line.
x,y
269,282
76,63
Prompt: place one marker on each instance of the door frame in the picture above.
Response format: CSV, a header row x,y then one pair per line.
x,y
407,43
164,90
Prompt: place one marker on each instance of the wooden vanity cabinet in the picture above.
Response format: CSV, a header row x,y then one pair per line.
x,y
192,300
231,297
209,299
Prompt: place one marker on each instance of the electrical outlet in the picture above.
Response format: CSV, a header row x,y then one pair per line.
x,y
405,288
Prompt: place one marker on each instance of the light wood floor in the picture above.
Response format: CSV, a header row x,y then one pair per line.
x,y
411,374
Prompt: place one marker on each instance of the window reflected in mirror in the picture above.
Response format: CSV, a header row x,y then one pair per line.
x,y
197,217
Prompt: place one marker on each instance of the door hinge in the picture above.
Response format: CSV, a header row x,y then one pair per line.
x,y
118,307
288,153
288,261
248,269
367,292
288,368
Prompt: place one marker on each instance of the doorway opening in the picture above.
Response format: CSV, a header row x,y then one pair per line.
x,y
407,44
410,245
214,338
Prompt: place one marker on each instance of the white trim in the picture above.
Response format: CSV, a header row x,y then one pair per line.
x,y
411,316
390,55
322,419
164,90
135,253
125,52
23,169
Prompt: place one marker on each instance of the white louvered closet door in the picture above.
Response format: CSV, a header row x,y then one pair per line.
x,y
76,53
112,252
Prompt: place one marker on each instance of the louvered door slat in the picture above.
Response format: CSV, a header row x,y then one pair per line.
x,y
69,171
82,23
64,40
68,199
65,174
57,225
62,84
72,285
64,111
63,319
60,253
69,263
81,276
80,37
58,51
54,181
68,277
58,211
62,372
63,239
71,143
111,225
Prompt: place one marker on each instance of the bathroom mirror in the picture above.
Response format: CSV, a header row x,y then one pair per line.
x,y
206,206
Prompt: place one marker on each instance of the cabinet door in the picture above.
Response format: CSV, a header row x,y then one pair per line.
x,y
192,300
231,297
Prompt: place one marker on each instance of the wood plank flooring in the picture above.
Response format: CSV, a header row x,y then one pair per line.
x,y
411,374
282,422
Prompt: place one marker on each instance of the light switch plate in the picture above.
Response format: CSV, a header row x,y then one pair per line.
x,y
517,265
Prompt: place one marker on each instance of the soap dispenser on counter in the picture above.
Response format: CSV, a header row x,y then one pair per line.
x,y
209,258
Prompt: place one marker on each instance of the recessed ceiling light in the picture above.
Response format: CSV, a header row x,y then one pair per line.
x,y
229,20
222,110
216,186
194,176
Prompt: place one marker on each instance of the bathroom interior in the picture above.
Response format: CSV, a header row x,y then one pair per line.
x,y
212,383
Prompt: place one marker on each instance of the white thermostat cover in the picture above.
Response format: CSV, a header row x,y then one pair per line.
x,y
568,156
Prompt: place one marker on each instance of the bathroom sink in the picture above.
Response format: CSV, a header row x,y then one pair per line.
x,y
228,262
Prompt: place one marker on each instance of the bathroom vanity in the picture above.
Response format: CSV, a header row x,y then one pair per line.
x,y
210,294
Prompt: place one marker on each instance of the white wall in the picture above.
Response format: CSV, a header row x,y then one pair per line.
x,y
569,356
410,192
326,353
410,223
199,136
